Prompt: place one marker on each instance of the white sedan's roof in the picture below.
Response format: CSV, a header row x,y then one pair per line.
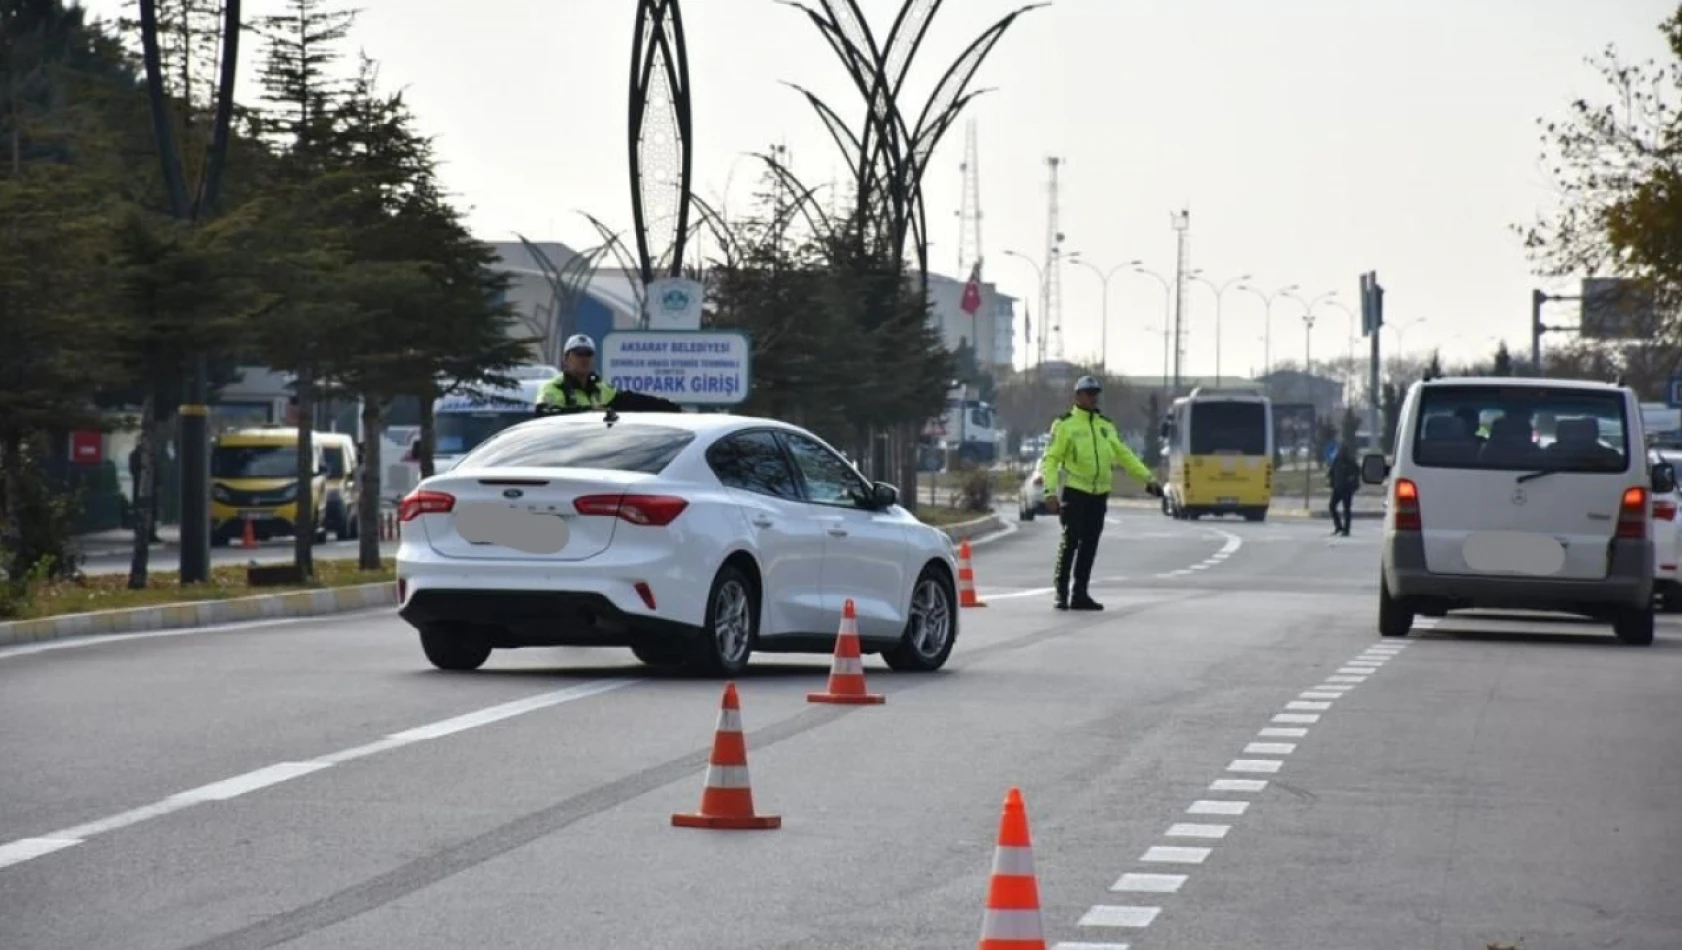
x,y
700,423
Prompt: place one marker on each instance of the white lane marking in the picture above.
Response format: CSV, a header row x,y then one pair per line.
x,y
1347,679
1338,688
1082,945
1298,705
1287,718
1238,785
1187,830
1264,766
1008,595
133,816
1206,806
1150,883
1283,732
1375,664
1163,855
1354,671
16,852
1270,748
78,643
249,782
1316,694
1102,916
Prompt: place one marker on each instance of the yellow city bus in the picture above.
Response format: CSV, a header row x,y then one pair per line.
x,y
1220,454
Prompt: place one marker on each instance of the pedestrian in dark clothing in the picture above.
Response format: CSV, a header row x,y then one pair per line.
x,y
1345,478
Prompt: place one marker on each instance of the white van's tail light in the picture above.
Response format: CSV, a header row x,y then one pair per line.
x,y
420,503
1632,514
655,511
1405,498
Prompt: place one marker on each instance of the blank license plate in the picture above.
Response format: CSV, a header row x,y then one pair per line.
x,y
1226,501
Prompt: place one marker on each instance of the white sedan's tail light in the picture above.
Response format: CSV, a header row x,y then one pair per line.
x,y
425,503
655,511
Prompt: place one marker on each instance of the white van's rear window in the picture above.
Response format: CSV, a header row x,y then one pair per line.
x,y
1521,428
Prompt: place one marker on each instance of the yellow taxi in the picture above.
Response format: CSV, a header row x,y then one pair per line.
x,y
254,477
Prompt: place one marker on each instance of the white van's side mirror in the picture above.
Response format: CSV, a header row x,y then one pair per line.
x,y
1664,478
1374,469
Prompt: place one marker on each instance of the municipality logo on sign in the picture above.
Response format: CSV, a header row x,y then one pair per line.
x,y
675,300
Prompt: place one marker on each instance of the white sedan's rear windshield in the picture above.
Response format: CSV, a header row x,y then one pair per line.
x,y
619,447
1521,428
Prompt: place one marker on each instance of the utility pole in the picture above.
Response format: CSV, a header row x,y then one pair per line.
x,y
1051,293
1372,318
194,412
1313,425
1182,225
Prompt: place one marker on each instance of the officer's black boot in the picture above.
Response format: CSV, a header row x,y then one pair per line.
x,y
1062,600
1083,601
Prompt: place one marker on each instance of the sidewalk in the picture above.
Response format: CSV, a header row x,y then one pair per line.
x,y
120,541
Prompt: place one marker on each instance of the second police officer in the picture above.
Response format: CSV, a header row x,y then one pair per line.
x,y
579,389
1085,446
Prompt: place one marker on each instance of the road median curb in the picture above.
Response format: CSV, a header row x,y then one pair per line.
x,y
203,613
970,530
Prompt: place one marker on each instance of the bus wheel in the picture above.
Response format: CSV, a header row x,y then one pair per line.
x,y
1255,514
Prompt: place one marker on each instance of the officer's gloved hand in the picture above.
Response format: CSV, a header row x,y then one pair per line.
x,y
1153,489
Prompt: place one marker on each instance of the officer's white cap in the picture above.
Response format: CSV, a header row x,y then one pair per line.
x,y
1088,384
579,341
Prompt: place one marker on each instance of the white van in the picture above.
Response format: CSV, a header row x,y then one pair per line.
x,y
1519,494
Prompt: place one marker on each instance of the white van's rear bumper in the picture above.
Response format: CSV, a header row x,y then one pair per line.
x,y
1628,583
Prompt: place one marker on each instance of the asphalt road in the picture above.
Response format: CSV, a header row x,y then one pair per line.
x,y
1227,757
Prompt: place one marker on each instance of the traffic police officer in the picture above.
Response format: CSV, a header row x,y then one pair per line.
x,y
579,389
1084,444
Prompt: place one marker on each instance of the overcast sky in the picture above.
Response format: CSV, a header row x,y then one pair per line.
x,y
1310,139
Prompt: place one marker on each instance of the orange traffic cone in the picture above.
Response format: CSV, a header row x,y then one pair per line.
x,y
250,537
727,799
967,597
846,672
1012,920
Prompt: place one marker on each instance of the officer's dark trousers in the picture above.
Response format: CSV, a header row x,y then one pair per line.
x,y
1082,516
1341,499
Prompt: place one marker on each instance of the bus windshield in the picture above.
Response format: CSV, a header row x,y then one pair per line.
x,y
1228,428
460,432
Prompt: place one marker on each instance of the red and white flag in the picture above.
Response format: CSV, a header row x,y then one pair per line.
x,y
972,291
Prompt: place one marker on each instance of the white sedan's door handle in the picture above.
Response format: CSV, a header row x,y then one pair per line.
x,y
838,532
763,521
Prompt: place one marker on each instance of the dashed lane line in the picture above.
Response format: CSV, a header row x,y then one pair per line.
x,y
1130,917
26,849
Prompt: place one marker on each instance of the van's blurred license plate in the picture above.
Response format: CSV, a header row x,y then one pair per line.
x,y
257,515
1226,501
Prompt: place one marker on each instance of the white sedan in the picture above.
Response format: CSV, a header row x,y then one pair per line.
x,y
693,539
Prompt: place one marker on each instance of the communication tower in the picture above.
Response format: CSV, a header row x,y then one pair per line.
x,y
969,210
1051,294
1182,267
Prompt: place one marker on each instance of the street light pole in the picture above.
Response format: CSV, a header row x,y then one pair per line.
x,y
1267,326
1220,293
1167,313
1039,276
1307,360
1103,309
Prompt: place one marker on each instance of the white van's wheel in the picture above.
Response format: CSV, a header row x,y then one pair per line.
x,y
1394,620
1635,627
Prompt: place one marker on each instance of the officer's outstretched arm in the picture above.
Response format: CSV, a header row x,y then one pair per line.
x,y
626,401
1130,462
1051,463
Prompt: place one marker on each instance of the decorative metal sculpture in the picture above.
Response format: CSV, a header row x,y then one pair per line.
x,y
890,156
661,163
